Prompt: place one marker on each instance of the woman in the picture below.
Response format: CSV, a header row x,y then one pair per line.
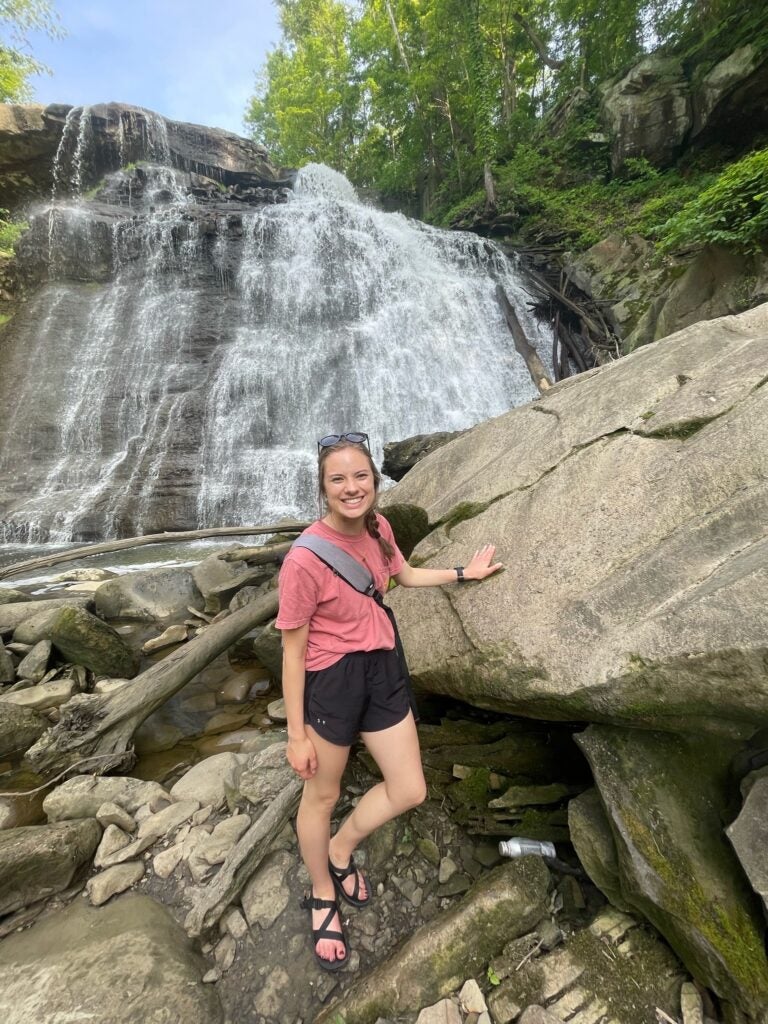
x,y
342,679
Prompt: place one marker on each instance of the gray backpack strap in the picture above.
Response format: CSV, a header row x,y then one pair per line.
x,y
339,561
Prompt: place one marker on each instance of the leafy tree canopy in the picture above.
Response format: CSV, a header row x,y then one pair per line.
x,y
17,19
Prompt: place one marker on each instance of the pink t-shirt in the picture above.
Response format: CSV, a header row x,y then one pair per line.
x,y
341,620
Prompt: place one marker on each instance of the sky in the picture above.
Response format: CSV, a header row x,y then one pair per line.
x,y
186,59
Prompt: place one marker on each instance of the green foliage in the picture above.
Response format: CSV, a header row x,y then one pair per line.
x,y
732,211
10,233
493,977
17,19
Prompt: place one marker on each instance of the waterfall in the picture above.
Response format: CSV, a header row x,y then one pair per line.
x,y
180,362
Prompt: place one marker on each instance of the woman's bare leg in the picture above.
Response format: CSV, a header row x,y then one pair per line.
x,y
313,825
396,752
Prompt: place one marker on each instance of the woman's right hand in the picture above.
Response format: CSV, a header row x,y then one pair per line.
x,y
302,757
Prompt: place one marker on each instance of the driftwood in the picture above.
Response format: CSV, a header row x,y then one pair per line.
x,y
242,860
155,538
97,725
535,366
257,556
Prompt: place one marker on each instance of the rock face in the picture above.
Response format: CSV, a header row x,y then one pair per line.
x,y
675,864
149,595
604,612
127,963
31,135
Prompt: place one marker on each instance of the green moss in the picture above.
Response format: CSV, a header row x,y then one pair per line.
x,y
409,524
461,512
473,790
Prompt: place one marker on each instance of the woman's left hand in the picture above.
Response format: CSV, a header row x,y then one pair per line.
x,y
481,564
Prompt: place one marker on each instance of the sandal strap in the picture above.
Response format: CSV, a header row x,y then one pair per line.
x,y
323,931
342,873
315,903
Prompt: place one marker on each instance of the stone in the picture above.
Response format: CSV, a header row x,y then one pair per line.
x,y
446,870
268,649
749,837
266,775
215,578
235,924
114,839
20,727
648,112
235,690
37,861
209,781
83,639
41,697
444,1012
7,665
401,456
429,849
224,953
166,862
10,596
156,734
35,664
83,795
691,1005
172,635
114,880
270,998
649,621
13,614
116,963
110,685
436,959
266,895
214,850
471,997
149,595
595,846
276,710
673,857
169,818
538,1015
84,575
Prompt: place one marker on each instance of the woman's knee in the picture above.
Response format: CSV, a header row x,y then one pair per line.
x,y
409,795
321,797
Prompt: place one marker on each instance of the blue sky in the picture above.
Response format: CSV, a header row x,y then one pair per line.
x,y
189,60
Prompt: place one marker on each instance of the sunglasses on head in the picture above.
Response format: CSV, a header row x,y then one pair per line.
x,y
331,439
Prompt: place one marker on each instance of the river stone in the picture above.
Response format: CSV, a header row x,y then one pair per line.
x,y
502,905
268,649
7,665
266,895
8,596
595,846
85,640
83,795
209,781
12,615
749,837
656,620
39,860
172,635
444,1012
127,963
20,727
149,595
212,574
35,664
266,774
665,798
112,881
42,696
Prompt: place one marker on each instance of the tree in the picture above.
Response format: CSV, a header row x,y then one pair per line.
x,y
17,19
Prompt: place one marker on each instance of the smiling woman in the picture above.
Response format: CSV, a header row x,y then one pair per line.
x,y
344,678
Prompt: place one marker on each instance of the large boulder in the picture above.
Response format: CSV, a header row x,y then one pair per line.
x,y
20,727
85,640
39,860
83,795
749,837
148,595
731,98
128,962
12,615
628,505
665,797
648,112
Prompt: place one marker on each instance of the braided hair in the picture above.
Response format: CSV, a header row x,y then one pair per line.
x,y
371,524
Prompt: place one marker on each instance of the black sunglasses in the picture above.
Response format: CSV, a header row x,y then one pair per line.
x,y
331,439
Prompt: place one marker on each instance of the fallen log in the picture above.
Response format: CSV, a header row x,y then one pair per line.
x,y
535,366
257,556
154,538
97,725
246,855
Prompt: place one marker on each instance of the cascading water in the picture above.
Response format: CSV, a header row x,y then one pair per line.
x,y
182,359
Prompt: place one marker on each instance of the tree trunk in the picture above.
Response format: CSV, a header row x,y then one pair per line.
x,y
535,366
102,726
154,538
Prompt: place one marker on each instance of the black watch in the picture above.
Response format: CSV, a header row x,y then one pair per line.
x,y
460,577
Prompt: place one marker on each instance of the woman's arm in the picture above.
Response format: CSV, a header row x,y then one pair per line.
x,y
300,753
479,566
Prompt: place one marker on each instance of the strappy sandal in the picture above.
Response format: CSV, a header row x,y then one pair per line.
x,y
324,932
339,874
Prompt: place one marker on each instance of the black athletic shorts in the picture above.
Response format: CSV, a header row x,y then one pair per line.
x,y
362,692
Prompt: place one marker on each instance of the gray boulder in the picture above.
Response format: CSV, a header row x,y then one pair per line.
x,y
593,841
39,860
665,797
149,595
12,615
7,667
10,596
749,837
83,795
85,640
400,456
35,664
19,728
648,112
127,963
628,507
216,580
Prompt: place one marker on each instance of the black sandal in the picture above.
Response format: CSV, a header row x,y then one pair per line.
x,y
323,932
339,874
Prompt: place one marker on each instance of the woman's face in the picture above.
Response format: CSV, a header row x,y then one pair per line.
x,y
348,485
